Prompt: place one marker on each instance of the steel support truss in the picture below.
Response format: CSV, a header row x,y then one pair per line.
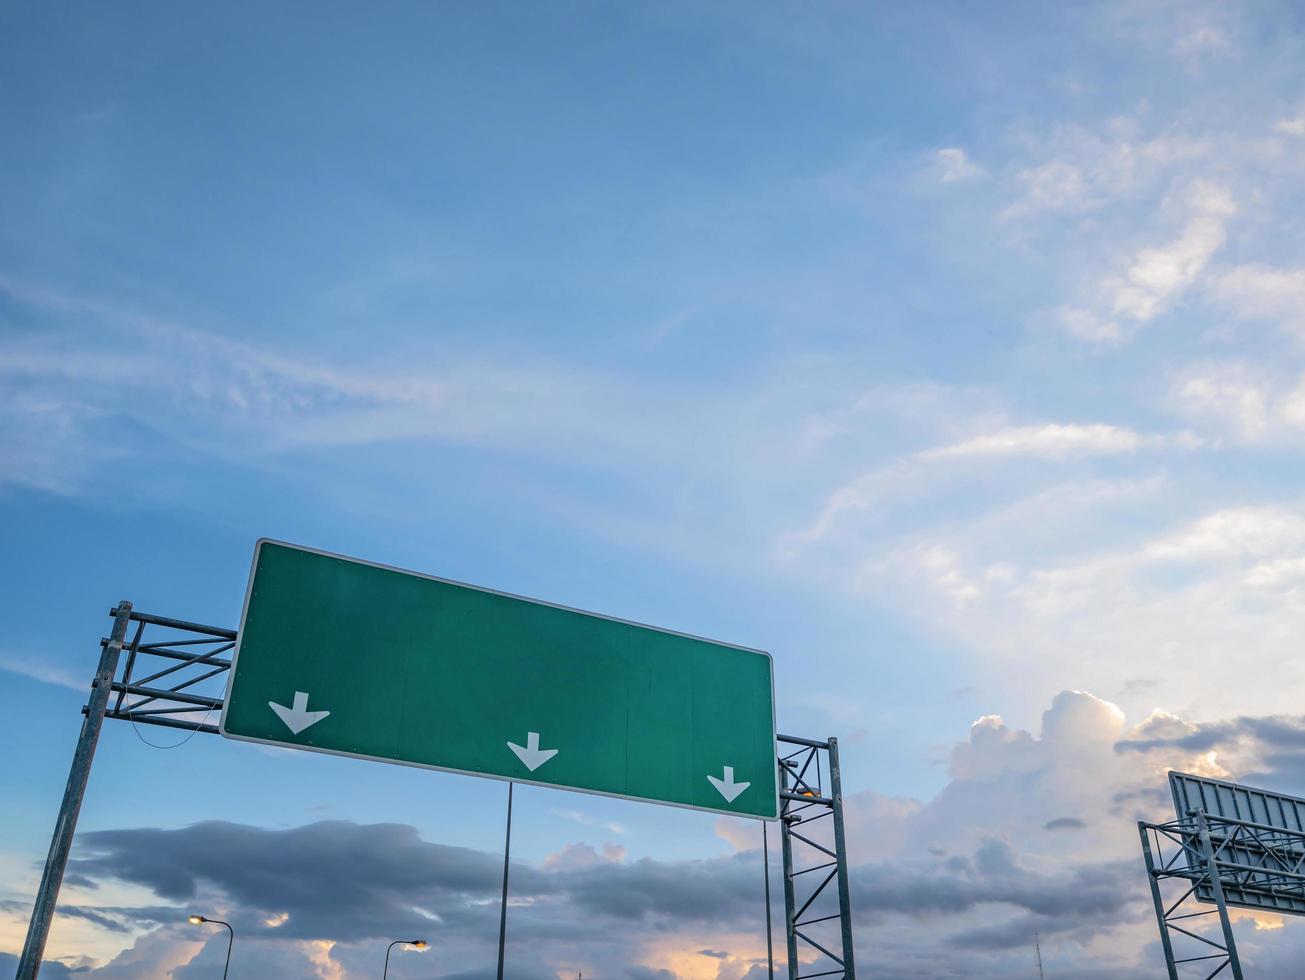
x,y
164,672
152,671
817,899
1222,862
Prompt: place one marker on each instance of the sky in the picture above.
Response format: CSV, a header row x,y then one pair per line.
x,y
952,353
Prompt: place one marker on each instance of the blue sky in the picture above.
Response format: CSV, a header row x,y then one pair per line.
x,y
950,352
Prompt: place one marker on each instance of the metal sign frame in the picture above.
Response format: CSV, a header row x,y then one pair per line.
x,y
813,841
1249,828
1229,856
161,683
772,794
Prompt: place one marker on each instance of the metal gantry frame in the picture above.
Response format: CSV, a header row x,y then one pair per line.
x,y
161,681
1223,862
817,892
169,673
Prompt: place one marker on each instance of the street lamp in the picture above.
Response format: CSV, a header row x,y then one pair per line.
x,y
196,920
414,943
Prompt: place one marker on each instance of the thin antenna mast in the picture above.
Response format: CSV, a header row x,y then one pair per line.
x,y
1037,952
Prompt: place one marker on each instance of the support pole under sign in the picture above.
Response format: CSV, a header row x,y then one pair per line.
x,y
502,912
47,895
840,846
815,854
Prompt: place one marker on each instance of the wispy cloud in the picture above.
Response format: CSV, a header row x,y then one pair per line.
x,y
1228,584
1155,277
953,164
1247,403
584,820
928,471
1051,441
42,669
223,396
1263,292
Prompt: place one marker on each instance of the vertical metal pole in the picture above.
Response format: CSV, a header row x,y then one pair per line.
x,y
790,903
56,861
765,864
231,941
1212,869
1165,942
840,848
502,912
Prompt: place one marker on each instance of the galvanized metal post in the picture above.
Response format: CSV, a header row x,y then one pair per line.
x,y
790,902
1160,917
840,848
765,872
1216,888
502,912
47,896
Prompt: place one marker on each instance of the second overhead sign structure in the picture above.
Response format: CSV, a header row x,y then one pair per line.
x,y
342,656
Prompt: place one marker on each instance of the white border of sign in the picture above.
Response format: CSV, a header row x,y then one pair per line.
x,y
235,656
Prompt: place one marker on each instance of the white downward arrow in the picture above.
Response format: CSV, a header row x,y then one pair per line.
x,y
532,756
299,717
727,787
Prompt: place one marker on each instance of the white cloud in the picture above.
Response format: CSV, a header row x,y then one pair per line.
x,y
42,669
1051,441
1227,396
1202,41
872,496
1265,293
954,164
584,820
237,400
1229,584
1055,799
1156,276
1055,186
1249,404
579,855
1089,326
1081,170
1239,533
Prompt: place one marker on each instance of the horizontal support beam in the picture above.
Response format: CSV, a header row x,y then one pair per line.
x,y
1252,869
804,798
808,742
194,656
1217,827
180,624
159,694
163,722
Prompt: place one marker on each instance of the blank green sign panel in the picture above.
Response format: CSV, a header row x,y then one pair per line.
x,y
338,655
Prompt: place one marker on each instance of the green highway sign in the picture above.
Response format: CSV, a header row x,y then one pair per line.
x,y
343,656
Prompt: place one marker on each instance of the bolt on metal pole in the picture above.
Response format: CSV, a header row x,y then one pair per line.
x,y
502,913
47,896
840,848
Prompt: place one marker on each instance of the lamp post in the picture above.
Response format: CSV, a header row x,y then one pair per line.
x,y
196,920
414,943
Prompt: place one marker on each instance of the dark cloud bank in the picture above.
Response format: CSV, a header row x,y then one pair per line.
x,y
924,911
361,884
